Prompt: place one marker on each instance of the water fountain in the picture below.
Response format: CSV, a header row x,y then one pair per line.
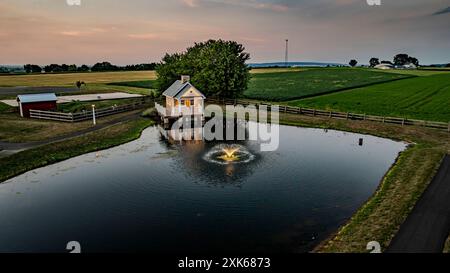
x,y
229,154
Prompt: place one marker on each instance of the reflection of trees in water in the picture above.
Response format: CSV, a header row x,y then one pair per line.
x,y
190,155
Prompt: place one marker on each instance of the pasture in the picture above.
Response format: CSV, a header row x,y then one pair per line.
x,y
294,85
425,98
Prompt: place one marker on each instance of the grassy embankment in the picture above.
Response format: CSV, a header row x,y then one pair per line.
x,y
426,98
380,218
447,246
48,154
311,82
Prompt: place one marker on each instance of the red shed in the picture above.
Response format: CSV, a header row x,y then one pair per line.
x,y
45,102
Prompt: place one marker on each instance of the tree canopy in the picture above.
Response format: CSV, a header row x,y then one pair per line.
x,y
216,67
403,59
353,63
374,62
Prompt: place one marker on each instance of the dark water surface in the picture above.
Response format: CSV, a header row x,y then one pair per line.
x,y
151,195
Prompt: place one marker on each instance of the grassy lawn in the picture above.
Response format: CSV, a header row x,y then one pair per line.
x,y
13,128
425,98
69,79
4,108
380,218
292,85
104,138
78,106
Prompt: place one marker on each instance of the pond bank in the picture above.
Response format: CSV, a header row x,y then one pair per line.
x,y
58,151
427,227
380,218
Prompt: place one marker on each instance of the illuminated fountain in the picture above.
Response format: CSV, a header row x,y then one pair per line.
x,y
229,154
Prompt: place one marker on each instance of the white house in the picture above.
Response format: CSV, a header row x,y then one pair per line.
x,y
407,66
182,98
384,66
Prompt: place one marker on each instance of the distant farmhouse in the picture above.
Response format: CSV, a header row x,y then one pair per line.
x,y
386,66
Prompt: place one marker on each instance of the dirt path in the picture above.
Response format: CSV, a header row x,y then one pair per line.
x,y
8,148
427,227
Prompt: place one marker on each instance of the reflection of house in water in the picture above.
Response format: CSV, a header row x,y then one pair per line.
x,y
182,135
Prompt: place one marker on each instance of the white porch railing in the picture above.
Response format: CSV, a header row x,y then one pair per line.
x,y
179,110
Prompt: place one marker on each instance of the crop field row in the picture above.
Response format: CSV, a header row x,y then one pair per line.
x,y
425,98
295,85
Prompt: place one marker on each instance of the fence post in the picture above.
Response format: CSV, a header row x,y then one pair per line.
x,y
347,114
403,122
449,127
331,114
314,112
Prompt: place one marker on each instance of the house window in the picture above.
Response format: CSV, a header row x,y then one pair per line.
x,y
182,102
192,102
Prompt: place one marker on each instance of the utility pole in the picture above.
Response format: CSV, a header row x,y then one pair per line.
x,y
286,56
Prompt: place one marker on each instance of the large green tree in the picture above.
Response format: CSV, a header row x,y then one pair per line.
x,y
216,67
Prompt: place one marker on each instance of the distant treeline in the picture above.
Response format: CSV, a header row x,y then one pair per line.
x,y
98,67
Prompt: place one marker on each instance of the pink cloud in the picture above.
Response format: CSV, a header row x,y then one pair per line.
x,y
190,3
143,36
71,33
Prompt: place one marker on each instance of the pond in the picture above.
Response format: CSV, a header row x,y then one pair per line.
x,y
158,195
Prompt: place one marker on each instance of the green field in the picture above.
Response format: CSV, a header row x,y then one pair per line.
x,y
294,85
79,106
426,98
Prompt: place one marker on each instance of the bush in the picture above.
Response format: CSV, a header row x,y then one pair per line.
x,y
150,113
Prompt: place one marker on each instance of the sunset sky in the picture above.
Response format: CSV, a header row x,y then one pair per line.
x,y
135,31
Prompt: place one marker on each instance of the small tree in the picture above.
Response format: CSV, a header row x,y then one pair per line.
x,y
353,63
79,84
374,62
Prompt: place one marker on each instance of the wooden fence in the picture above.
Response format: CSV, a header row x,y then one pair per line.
x,y
338,115
87,115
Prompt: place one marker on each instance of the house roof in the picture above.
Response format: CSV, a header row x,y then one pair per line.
x,y
177,89
37,97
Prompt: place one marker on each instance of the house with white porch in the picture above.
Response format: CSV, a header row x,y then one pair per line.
x,y
182,99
